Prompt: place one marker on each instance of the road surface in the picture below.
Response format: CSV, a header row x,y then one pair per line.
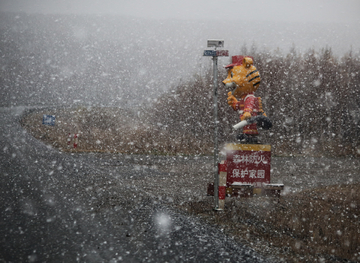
x,y
61,207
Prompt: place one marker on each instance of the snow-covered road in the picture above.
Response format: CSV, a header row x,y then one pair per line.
x,y
59,207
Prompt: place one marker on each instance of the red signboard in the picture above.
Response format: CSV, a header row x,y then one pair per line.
x,y
248,164
222,53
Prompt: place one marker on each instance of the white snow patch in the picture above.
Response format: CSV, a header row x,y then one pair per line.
x,y
163,223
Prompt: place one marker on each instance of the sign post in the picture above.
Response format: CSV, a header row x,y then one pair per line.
x,y
215,54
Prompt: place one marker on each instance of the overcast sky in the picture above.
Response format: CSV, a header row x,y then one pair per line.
x,y
343,11
175,41
267,23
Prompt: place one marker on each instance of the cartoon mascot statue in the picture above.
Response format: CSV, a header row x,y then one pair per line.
x,y
242,81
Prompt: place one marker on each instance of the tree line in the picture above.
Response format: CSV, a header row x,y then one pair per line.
x,y
312,98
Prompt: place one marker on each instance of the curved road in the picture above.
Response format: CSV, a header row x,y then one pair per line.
x,y
57,207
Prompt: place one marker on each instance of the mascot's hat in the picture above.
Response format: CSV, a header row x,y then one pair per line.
x,y
237,61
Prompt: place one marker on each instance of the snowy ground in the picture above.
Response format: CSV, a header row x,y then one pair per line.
x,y
62,207
116,207
180,182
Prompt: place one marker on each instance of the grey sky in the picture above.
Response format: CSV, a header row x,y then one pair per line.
x,y
270,24
344,11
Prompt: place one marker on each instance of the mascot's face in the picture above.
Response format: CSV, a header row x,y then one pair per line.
x,y
242,79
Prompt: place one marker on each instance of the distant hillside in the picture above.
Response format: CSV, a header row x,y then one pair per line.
x,y
312,99
88,59
151,68
124,61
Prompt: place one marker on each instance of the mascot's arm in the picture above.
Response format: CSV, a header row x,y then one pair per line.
x,y
245,116
248,107
232,101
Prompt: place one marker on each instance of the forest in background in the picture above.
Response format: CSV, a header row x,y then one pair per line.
x,y
98,60
65,61
312,99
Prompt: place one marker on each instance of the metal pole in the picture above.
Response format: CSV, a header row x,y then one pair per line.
x,y
216,176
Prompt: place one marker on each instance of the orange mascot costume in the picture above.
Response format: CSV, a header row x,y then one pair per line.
x,y
243,80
